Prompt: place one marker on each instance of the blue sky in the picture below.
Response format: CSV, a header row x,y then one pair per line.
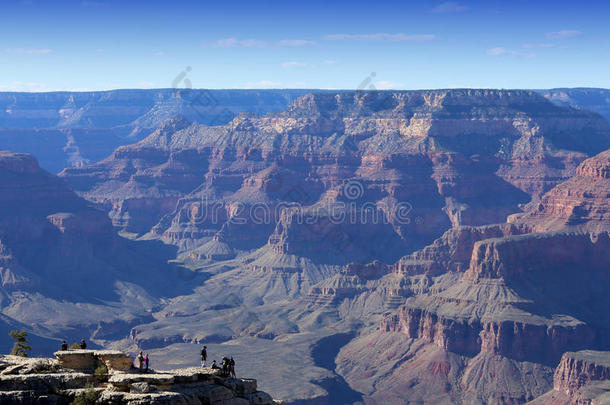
x,y
106,44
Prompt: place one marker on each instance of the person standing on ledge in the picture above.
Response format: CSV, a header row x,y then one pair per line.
x,y
64,346
232,367
140,361
83,344
146,363
204,355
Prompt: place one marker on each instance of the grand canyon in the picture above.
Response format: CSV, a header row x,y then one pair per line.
x,y
304,203
434,246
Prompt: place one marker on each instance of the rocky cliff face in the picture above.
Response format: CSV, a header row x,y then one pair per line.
x,y
291,205
580,378
580,203
411,160
369,228
577,369
512,305
72,129
58,253
595,100
76,375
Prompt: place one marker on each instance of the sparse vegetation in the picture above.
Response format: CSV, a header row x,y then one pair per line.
x,y
74,346
21,346
87,397
101,370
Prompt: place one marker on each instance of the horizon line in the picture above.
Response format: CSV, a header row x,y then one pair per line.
x,y
313,89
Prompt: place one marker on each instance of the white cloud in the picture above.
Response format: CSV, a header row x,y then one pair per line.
x,y
160,53
239,43
33,51
381,36
563,34
388,85
449,7
263,84
270,84
508,52
537,45
294,64
233,42
147,85
296,42
24,86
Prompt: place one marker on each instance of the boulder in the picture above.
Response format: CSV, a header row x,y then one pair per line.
x,y
240,386
77,359
123,382
142,388
259,398
114,360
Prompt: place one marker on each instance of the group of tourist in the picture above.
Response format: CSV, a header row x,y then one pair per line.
x,y
228,364
142,358
64,345
143,362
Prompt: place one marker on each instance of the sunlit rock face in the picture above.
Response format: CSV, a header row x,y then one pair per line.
x,y
416,163
458,236
73,129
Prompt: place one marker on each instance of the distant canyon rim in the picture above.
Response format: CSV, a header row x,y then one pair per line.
x,y
431,246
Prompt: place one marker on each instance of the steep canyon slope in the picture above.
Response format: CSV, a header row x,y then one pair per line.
x,y
531,290
314,222
72,129
64,270
357,246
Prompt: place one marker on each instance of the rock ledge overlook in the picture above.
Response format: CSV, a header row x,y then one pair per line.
x,y
74,372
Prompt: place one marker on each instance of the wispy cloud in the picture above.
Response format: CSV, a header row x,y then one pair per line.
x,y
295,64
147,85
381,36
263,84
258,43
33,51
160,53
449,7
388,85
271,84
239,43
538,45
296,42
23,86
508,52
563,34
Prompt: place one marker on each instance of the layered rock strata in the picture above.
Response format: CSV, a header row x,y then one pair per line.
x,y
41,380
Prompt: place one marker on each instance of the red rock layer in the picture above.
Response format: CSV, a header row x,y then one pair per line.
x,y
578,369
582,201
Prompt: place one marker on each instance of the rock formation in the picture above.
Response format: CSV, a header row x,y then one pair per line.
x,y
445,246
73,129
111,378
581,202
526,295
61,261
413,160
580,378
